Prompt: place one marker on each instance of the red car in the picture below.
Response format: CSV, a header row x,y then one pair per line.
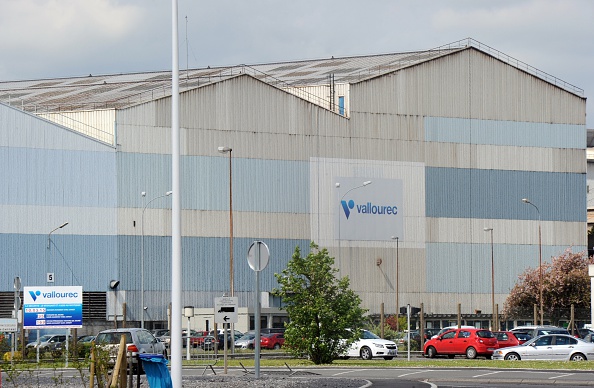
x,y
507,338
469,342
272,341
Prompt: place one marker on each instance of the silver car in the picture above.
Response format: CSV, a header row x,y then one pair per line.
x,y
245,342
556,347
137,341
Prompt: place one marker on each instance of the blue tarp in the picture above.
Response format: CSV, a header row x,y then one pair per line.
x,y
155,367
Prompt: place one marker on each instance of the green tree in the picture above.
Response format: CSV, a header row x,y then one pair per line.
x,y
565,282
320,307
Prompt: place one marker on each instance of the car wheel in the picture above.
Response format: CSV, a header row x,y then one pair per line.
x,y
366,353
512,357
431,352
578,357
388,358
471,353
488,357
276,346
450,356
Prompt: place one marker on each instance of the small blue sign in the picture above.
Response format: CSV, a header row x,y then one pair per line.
x,y
52,307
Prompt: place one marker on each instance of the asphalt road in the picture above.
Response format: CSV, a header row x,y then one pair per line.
x,y
438,377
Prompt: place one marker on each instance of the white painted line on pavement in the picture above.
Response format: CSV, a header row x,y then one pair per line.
x,y
414,373
430,384
369,384
349,371
561,376
486,374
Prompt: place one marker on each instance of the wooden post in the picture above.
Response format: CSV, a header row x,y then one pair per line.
x,y
459,315
124,314
535,315
382,320
571,320
121,359
497,317
92,366
422,328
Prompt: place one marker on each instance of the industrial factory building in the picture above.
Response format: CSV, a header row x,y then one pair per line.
x,y
396,163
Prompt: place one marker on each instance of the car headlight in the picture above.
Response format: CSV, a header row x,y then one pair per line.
x,y
378,345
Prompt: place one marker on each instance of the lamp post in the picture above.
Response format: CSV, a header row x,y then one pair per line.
x,y
526,200
229,150
49,276
53,230
397,277
495,326
340,205
224,150
143,194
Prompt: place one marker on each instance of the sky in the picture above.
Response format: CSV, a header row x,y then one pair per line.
x,y
44,39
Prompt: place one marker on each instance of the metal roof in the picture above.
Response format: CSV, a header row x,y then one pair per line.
x,y
121,90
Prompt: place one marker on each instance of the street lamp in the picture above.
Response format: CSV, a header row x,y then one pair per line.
x,y
340,204
229,150
49,276
397,276
142,308
526,200
495,321
224,150
53,230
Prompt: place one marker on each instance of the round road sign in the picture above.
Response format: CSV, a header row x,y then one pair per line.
x,y
258,256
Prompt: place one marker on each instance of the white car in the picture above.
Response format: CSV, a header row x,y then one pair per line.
x,y
370,345
559,347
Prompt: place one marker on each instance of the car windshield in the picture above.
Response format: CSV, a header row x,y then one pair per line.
x,y
45,338
365,334
113,338
248,337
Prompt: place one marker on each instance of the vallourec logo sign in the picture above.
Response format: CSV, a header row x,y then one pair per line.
x,y
52,307
52,295
370,212
368,208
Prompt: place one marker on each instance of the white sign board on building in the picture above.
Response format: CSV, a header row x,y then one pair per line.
x,y
373,212
52,307
226,309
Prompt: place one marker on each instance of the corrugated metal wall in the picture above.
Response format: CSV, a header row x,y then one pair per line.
x,y
51,175
431,115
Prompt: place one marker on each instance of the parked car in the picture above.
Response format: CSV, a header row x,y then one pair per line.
x,y
535,331
272,340
159,332
471,342
506,339
137,341
428,333
246,341
47,342
210,341
548,347
584,332
414,336
85,339
370,345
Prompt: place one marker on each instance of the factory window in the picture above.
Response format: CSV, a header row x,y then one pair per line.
x,y
341,105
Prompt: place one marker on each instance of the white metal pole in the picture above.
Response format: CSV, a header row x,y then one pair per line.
x,y
176,273
257,315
